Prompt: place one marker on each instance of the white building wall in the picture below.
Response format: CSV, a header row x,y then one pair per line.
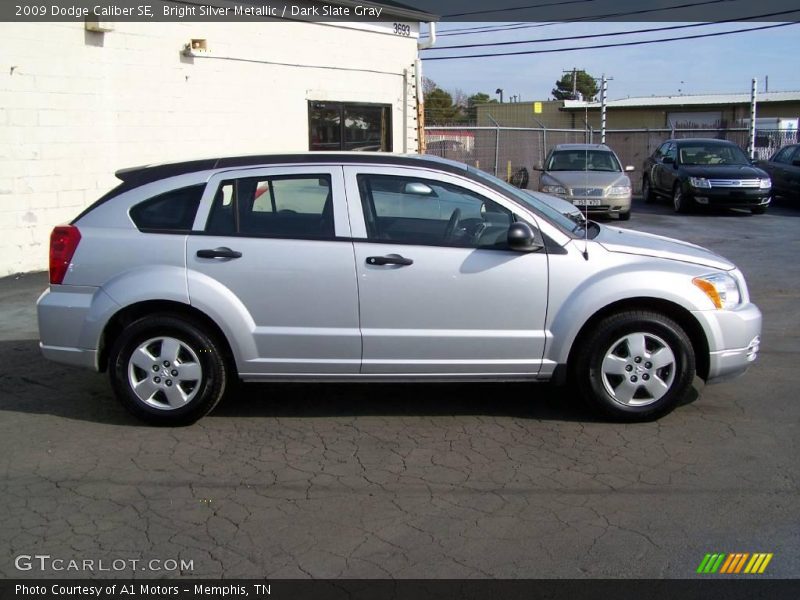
x,y
75,106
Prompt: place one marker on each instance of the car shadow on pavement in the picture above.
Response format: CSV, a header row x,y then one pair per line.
x,y
784,207
30,384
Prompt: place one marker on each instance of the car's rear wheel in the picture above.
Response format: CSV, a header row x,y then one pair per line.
x,y
679,200
635,365
647,191
167,370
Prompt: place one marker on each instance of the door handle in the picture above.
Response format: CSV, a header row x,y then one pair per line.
x,y
218,253
390,259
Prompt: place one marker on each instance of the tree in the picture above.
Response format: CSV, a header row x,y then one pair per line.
x,y
439,107
428,85
472,103
585,85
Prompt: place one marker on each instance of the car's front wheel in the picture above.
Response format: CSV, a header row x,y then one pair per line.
x,y
167,370
625,216
635,365
679,200
647,191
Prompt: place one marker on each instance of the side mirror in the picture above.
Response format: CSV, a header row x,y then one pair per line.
x,y
418,189
630,168
668,160
522,238
538,167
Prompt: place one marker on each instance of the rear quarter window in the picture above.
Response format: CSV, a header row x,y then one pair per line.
x,y
172,211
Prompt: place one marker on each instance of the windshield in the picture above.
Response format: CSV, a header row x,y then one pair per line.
x,y
583,160
711,154
562,221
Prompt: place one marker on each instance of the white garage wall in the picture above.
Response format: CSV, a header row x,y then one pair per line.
x,y
75,106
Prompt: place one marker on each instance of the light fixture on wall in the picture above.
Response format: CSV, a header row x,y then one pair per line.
x,y
97,24
196,47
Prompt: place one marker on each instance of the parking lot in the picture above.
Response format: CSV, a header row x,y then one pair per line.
x,y
415,481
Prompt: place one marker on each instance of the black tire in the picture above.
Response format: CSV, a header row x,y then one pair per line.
x,y
647,191
624,216
758,210
680,203
520,178
197,351
600,389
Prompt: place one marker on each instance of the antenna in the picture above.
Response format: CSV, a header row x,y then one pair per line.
x,y
586,185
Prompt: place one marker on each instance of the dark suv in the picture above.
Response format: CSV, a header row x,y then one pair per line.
x,y
705,172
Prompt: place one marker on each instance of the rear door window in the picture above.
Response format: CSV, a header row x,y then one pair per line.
x,y
292,206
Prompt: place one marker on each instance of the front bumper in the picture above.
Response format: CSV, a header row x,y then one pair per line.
x,y
733,340
607,204
731,197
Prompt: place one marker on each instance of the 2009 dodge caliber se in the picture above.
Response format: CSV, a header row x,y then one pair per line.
x,y
335,267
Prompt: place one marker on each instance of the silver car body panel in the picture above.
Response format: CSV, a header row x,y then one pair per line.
x,y
449,312
314,310
296,298
627,241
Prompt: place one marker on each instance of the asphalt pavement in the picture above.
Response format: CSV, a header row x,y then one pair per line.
x,y
422,481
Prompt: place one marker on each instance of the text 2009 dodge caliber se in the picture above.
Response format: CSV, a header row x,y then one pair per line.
x,y
362,267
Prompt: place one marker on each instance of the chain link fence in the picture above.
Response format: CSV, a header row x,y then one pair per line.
x,y
513,153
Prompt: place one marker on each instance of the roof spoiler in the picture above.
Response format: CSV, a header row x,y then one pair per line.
x,y
129,172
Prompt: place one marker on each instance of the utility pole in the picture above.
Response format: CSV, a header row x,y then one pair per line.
x,y
753,102
603,104
574,72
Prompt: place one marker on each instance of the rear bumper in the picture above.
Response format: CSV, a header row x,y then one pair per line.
x,y
71,319
76,357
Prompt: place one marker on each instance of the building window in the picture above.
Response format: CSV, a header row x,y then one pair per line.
x,y
349,126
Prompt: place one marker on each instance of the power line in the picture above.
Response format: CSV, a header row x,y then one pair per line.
x,y
487,29
600,35
615,45
468,30
499,10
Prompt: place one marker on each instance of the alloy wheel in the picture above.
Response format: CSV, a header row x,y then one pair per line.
x,y
165,373
638,369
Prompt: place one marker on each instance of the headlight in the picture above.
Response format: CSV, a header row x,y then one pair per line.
x,y
720,288
554,189
620,190
765,184
699,182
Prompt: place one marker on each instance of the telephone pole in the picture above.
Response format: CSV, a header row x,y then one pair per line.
x,y
603,105
574,72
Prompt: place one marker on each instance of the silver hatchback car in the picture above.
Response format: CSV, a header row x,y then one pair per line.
x,y
378,267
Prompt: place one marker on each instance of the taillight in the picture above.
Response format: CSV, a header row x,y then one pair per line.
x,y
63,242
